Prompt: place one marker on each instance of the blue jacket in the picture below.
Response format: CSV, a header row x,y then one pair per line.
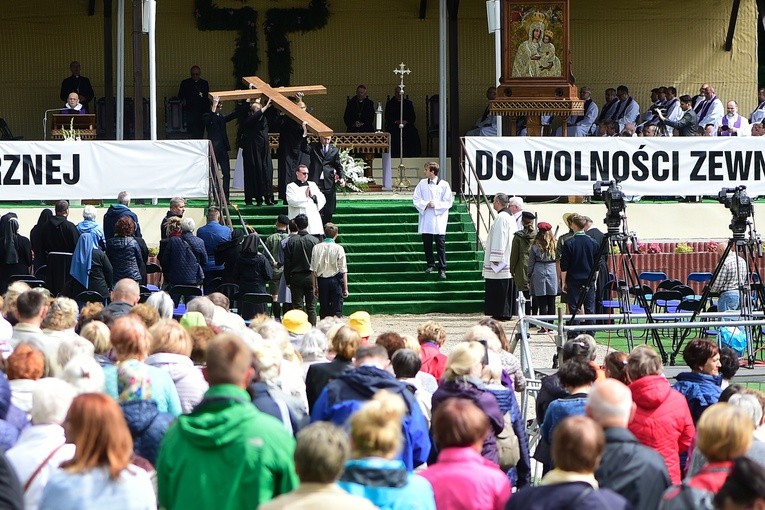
x,y
125,255
147,426
213,234
387,485
508,404
344,396
12,419
570,405
700,390
91,226
114,213
182,258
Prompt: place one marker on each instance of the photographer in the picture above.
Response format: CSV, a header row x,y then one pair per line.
x,y
688,123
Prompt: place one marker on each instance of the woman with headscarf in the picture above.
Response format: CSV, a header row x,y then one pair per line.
x,y
36,239
17,251
91,268
252,271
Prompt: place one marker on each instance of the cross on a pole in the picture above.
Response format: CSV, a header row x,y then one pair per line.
x,y
402,70
278,95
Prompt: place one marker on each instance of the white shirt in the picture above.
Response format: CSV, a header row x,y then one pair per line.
x,y
433,220
673,113
498,246
298,203
714,113
34,445
759,114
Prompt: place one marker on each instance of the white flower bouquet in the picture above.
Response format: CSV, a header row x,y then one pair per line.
x,y
353,170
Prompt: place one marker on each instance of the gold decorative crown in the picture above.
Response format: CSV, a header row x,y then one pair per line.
x,y
537,17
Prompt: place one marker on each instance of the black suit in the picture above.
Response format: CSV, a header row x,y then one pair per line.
x,y
196,103
359,111
602,282
324,167
215,123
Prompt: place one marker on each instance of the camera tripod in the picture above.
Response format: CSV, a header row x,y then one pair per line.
x,y
613,238
746,249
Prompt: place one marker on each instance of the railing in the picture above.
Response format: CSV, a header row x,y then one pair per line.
x,y
478,200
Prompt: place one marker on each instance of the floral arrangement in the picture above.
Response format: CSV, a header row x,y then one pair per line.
x,y
353,169
153,251
683,248
649,248
711,246
71,134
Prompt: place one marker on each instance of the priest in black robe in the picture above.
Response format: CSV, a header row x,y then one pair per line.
x,y
359,112
256,156
393,119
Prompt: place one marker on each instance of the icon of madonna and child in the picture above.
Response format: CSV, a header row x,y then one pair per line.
x,y
536,57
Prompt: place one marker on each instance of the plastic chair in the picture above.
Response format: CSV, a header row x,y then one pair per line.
x,y
699,277
666,301
152,268
178,292
687,306
28,279
253,303
211,285
5,132
41,271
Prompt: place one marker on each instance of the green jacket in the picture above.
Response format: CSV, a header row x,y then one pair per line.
x,y
225,455
519,258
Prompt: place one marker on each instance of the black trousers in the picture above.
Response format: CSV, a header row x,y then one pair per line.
x,y
329,208
330,296
225,168
427,245
301,287
543,305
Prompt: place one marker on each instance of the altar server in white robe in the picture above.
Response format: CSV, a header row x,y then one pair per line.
x,y
304,197
433,198
499,289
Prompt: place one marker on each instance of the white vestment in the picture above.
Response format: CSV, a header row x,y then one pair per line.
x,y
433,220
299,203
498,246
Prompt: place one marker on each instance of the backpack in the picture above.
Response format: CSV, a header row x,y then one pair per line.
x,y
685,497
508,446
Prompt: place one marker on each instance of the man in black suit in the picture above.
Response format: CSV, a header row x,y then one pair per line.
x,y
688,123
359,112
77,83
602,281
325,170
215,123
194,91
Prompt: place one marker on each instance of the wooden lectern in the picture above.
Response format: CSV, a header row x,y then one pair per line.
x,y
536,65
84,123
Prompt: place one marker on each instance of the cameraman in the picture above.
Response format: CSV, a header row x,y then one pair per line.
x,y
688,123
730,280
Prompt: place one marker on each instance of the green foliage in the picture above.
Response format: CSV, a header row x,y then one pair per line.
x,y
683,248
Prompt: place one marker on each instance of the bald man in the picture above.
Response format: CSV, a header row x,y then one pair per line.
x,y
627,467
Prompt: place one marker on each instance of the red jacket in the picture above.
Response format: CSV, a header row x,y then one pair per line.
x,y
433,361
662,420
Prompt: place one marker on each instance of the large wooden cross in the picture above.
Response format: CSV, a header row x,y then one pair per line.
x,y
278,95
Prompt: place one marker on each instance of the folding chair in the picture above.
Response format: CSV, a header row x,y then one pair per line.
x,y
231,291
5,132
254,303
668,284
178,292
89,296
652,276
57,274
699,278
30,280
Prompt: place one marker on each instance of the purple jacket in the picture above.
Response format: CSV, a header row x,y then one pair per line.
x,y
472,389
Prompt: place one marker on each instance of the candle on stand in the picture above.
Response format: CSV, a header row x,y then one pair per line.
x,y
378,117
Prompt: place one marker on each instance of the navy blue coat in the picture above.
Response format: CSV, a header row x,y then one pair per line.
x,y
126,257
147,426
555,497
182,258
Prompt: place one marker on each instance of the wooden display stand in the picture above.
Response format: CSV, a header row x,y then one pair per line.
x,y
536,66
83,123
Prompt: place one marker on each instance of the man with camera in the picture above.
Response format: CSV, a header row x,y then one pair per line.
x,y
688,123
733,124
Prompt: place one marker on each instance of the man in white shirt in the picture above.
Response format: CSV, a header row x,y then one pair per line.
x,y
709,109
433,198
304,197
627,109
500,293
733,124
582,124
758,115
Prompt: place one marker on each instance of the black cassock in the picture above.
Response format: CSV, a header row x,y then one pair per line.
x,y
256,157
412,148
290,153
359,111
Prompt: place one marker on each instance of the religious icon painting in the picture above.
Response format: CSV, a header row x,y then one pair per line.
x,y
535,40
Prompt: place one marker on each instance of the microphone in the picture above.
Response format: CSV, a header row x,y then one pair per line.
x,y
45,121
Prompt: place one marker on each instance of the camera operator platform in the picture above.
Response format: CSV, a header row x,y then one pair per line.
x,y
746,245
616,236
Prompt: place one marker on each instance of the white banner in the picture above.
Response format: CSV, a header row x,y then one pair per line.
x,y
100,170
645,166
